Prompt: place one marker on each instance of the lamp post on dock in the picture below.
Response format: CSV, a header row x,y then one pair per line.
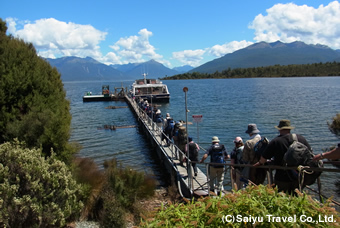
x,y
185,90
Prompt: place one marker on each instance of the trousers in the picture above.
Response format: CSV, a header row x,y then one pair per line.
x,y
216,178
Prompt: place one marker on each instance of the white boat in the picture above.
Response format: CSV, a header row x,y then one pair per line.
x,y
150,89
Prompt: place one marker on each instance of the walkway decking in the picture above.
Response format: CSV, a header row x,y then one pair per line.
x,y
188,184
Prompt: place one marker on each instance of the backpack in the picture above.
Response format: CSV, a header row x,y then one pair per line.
x,y
182,135
159,118
193,152
259,147
217,155
299,154
239,154
170,126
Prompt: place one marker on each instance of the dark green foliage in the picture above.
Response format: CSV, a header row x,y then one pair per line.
x,y
36,191
127,184
33,107
334,126
120,194
306,70
87,172
113,213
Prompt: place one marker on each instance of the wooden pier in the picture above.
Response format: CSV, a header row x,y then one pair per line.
x,y
188,184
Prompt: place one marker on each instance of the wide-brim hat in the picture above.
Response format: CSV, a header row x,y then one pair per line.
x,y
238,140
252,129
215,139
284,124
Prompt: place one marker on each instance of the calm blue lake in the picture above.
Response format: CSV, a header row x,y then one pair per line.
x,y
227,106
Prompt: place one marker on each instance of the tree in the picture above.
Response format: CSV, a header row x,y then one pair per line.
x,y
33,107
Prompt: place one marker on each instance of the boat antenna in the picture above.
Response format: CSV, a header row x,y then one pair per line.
x,y
144,74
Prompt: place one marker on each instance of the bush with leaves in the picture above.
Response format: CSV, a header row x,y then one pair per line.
x,y
254,201
334,126
33,105
36,191
122,189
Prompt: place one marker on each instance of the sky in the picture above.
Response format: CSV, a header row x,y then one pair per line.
x,y
174,33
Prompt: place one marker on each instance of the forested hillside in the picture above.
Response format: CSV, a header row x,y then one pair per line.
x,y
306,70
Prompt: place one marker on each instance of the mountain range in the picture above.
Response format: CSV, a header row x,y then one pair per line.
x,y
269,54
256,55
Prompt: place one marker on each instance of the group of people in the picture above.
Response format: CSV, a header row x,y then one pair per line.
x,y
242,153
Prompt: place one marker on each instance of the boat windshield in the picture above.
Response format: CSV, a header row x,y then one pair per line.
x,y
151,90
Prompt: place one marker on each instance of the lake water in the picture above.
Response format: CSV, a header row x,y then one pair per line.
x,y
227,106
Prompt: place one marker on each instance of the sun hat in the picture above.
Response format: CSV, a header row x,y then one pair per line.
x,y
215,139
238,140
284,124
158,111
252,129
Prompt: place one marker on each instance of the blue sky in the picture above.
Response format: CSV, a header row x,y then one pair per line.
x,y
175,33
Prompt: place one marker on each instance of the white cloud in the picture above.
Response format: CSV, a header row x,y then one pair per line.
x,y
291,22
189,57
137,48
194,57
221,50
52,37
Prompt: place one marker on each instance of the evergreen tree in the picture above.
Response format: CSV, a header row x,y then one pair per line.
x,y
33,107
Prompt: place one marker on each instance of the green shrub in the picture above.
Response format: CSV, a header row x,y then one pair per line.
x,y
112,213
245,205
334,126
36,191
87,172
122,189
127,184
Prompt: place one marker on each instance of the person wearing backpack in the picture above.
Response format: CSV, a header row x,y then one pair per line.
x,y
277,149
159,120
193,153
181,139
218,154
257,176
236,158
168,130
